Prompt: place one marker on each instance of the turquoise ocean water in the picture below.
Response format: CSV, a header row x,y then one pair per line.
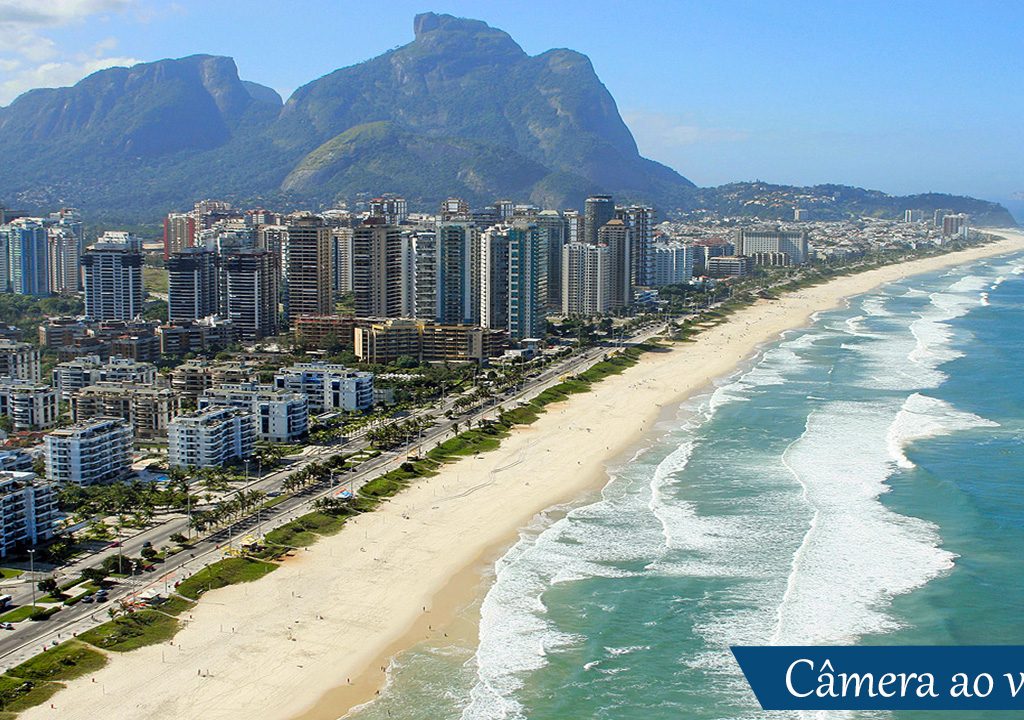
x,y
859,482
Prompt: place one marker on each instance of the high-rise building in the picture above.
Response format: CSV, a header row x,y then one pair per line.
x,y
586,279
211,437
458,273
19,360
598,210
64,261
555,231
392,208
954,225
673,264
377,278
112,274
192,285
306,272
69,219
341,260
92,452
454,209
249,291
640,221
527,282
28,257
28,511
179,233
750,241
424,245
494,246
618,237
504,209
573,226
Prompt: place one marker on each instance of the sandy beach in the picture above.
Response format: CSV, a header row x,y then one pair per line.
x,y
310,640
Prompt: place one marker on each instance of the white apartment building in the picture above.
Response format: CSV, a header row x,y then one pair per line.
x,y
19,360
31,405
28,511
211,437
281,416
82,372
91,452
672,264
586,279
327,386
112,277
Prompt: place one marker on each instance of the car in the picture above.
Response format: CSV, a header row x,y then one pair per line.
x,y
147,544
115,544
8,626
88,599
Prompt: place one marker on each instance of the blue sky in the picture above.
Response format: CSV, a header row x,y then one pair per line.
x,y
900,96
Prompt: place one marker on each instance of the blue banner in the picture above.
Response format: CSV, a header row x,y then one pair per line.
x,y
976,677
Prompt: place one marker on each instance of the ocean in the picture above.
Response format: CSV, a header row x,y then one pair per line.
x,y
858,482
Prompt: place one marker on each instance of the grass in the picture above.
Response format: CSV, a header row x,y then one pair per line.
x,y
37,679
10,573
129,632
305,530
229,571
154,279
17,614
175,605
17,694
67,661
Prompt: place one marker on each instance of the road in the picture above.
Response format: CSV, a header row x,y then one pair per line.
x,y
30,637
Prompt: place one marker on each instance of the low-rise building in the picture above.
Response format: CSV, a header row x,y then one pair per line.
x,y
73,375
211,437
201,336
323,331
194,377
30,405
148,409
15,460
28,511
725,266
281,416
327,386
91,452
19,360
387,340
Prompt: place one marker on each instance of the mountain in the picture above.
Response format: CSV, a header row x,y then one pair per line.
x,y
460,110
840,202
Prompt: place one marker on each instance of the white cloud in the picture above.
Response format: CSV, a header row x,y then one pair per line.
x,y
656,131
56,74
55,12
29,58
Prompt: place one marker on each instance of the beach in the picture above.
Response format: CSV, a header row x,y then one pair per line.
x,y
310,640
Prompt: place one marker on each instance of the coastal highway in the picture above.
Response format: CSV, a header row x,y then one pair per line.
x,y
31,637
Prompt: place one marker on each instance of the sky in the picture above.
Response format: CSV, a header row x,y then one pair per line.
x,y
902,96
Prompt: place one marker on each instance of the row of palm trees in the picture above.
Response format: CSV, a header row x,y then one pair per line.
x,y
399,432
229,510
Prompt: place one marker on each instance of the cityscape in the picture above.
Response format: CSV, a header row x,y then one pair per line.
x,y
422,393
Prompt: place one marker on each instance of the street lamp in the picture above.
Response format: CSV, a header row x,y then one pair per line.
x,y
32,572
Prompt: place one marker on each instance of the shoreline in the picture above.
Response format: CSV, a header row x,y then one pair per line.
x,y
292,647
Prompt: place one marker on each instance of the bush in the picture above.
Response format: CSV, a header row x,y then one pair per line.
x,y
44,613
